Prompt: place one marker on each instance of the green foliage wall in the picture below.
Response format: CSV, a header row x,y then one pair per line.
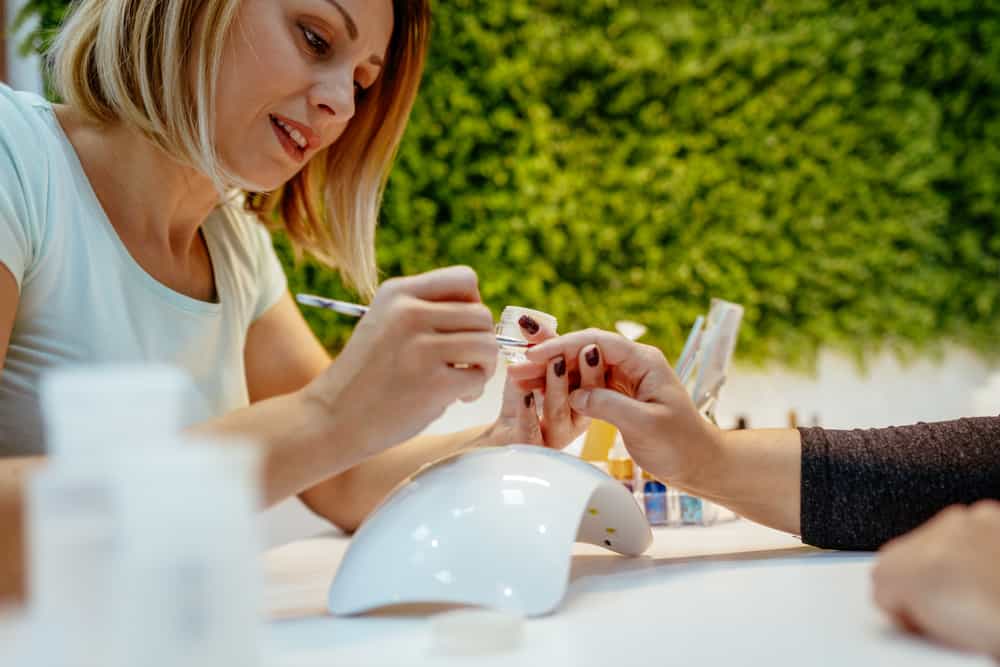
x,y
832,165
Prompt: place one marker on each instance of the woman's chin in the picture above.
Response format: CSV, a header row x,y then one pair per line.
x,y
260,182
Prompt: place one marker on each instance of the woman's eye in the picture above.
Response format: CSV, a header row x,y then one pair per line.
x,y
316,44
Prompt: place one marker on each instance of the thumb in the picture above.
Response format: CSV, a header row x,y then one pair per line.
x,y
605,404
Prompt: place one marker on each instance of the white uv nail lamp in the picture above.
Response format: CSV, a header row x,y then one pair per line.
x,y
491,527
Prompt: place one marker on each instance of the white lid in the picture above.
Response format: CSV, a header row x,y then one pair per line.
x,y
91,411
475,632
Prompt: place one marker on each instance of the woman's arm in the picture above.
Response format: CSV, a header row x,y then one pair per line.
x,y
282,357
14,474
862,488
838,489
426,341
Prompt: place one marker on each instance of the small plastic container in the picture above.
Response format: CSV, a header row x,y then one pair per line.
x,y
190,589
695,511
92,416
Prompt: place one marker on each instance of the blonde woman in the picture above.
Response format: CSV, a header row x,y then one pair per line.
x,y
121,239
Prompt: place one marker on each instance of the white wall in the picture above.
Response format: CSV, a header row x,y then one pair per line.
x,y
23,73
888,393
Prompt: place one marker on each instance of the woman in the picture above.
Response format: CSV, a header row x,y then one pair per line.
x,y
838,489
130,231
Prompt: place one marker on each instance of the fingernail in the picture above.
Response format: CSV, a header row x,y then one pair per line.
x,y
529,399
593,357
560,367
579,399
528,324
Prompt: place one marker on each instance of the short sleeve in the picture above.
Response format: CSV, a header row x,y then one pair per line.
x,y
20,217
271,281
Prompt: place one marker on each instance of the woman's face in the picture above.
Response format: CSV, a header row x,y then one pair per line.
x,y
292,74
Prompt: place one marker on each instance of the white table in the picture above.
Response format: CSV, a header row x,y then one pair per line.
x,y
733,594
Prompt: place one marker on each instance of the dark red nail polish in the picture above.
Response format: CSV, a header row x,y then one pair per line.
x,y
529,399
560,367
528,324
593,357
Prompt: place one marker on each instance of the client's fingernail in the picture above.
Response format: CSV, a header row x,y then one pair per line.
x,y
529,399
593,357
560,367
528,324
579,399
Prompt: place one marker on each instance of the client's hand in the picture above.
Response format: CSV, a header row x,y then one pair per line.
x,y
518,421
943,579
661,427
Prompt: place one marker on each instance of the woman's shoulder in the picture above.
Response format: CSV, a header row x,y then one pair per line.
x,y
26,139
246,240
21,116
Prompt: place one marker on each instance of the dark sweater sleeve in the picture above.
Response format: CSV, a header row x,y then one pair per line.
x,y
862,488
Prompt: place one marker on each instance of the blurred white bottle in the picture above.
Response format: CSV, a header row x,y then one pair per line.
x,y
92,415
189,590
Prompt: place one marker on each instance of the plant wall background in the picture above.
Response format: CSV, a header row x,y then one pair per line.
x,y
833,165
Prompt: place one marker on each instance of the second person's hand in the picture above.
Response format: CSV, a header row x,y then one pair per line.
x,y
559,424
659,423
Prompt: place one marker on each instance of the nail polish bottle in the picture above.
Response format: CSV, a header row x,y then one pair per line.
x,y
599,440
654,496
620,465
692,510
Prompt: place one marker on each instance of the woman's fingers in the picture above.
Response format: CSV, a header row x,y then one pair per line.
x,y
454,283
591,364
560,427
466,349
533,330
449,317
519,414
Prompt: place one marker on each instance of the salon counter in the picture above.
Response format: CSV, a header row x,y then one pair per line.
x,y
732,594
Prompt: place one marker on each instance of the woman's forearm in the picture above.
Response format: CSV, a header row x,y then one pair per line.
x,y
864,487
14,474
349,497
757,474
302,444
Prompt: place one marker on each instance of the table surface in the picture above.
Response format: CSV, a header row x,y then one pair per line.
x,y
731,594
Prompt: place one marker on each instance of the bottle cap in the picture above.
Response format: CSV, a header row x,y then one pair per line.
x,y
475,632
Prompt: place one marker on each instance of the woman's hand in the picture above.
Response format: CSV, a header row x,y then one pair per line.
x,y
943,579
559,424
426,341
661,427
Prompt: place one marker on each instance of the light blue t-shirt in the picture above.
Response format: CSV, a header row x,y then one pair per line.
x,y
84,299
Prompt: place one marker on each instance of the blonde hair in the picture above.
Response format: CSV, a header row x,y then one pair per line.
x,y
132,61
